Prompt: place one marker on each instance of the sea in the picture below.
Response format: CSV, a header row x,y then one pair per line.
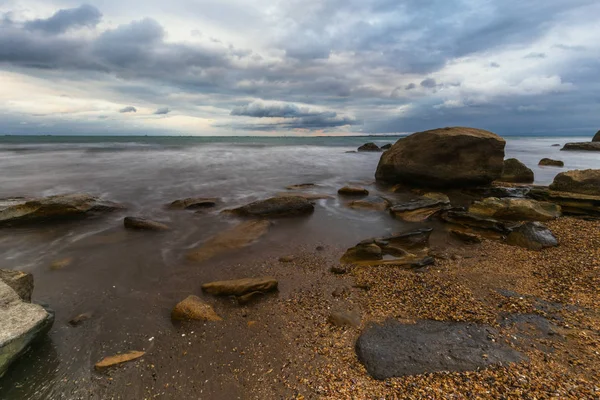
x,y
130,280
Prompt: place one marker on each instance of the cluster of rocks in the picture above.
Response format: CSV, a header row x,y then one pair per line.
x,y
374,148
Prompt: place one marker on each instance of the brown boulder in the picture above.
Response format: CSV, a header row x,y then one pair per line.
x,y
193,308
516,172
578,181
447,157
548,162
240,287
418,210
288,206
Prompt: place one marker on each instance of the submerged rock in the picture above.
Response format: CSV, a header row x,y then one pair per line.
x,y
240,236
193,203
21,282
376,203
394,349
447,157
193,308
119,359
307,196
301,186
582,146
548,162
275,207
240,287
532,236
514,209
53,208
353,191
369,147
578,181
143,224
21,324
419,210
516,172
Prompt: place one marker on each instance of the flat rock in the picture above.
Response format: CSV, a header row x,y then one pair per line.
x,y
362,252
515,171
581,146
21,282
417,239
275,207
571,203
353,191
144,224
447,157
345,318
578,181
240,287
375,203
61,264
53,208
419,210
193,308
514,209
240,236
22,323
548,162
193,203
394,349
369,147
119,359
532,236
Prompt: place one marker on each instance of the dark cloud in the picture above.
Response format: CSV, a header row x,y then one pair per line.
x,y
535,55
63,20
410,86
128,109
429,83
162,111
278,110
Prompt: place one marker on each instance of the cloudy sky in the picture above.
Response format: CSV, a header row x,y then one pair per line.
x,y
298,67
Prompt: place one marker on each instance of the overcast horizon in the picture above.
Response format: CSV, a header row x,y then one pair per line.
x,y
285,68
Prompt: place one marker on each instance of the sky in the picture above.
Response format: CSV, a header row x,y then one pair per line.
x,y
298,67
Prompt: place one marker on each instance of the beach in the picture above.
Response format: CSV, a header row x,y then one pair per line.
x,y
542,304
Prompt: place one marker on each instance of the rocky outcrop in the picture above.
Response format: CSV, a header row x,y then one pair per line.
x,y
353,191
193,203
119,359
578,181
532,236
447,157
394,349
144,224
21,282
596,137
514,209
571,203
581,146
193,308
240,287
419,210
548,162
369,147
275,207
240,236
515,171
21,324
53,208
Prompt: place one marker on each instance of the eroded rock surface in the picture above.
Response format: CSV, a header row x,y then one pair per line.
x,y
515,209
193,203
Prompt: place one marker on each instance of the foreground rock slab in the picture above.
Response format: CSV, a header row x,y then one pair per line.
x,y
53,208
240,287
144,224
288,206
21,282
515,209
447,157
240,236
21,323
517,172
578,181
532,236
119,359
394,349
193,308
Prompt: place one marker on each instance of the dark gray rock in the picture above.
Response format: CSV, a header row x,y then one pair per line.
x,y
369,147
395,349
193,203
386,146
532,236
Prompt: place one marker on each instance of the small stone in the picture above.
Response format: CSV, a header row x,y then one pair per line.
x,y
287,259
532,236
118,359
320,248
551,163
239,287
81,318
353,191
193,308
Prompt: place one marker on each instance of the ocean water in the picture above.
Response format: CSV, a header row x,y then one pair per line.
x,y
130,279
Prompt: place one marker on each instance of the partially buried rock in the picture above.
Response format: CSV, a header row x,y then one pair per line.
x,y
119,359
193,308
276,207
21,282
53,208
144,224
447,157
287,259
516,172
548,162
353,191
193,203
394,349
343,318
240,236
515,209
375,203
578,181
240,287
369,147
532,236
418,210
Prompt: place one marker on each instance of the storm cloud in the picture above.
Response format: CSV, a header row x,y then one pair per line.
x,y
63,20
128,109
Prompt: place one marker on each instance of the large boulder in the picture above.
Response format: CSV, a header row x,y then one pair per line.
x,y
447,157
394,349
596,137
582,146
52,208
276,207
578,181
516,172
532,236
21,324
515,209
